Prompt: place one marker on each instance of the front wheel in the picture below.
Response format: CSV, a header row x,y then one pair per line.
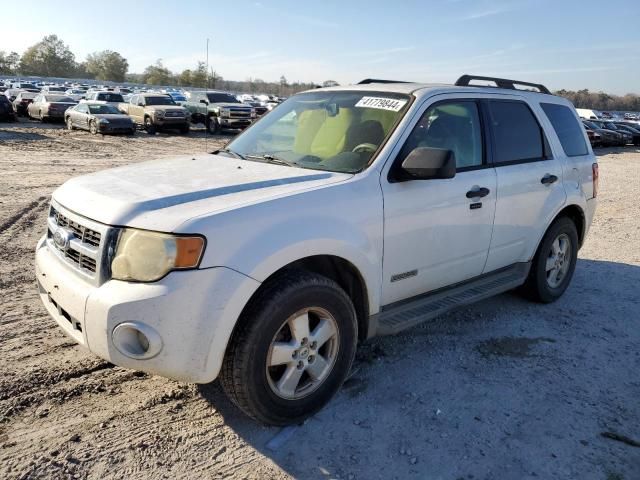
x,y
93,128
554,263
69,124
292,349
149,126
213,126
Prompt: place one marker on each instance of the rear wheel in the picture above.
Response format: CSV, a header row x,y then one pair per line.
x,y
70,124
292,349
554,262
93,127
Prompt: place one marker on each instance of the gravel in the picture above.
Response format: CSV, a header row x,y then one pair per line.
x,y
504,389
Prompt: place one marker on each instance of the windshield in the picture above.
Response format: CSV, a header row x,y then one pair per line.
x,y
57,89
159,100
335,131
222,98
104,109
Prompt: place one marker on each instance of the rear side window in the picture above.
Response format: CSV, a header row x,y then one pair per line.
x,y
517,134
567,128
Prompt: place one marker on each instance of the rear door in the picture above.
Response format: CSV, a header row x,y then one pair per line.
x,y
529,180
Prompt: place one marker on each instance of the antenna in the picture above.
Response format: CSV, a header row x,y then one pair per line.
x,y
206,87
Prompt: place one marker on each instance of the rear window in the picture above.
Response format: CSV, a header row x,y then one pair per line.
x,y
516,131
567,128
110,97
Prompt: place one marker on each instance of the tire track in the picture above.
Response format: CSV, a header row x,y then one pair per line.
x,y
33,207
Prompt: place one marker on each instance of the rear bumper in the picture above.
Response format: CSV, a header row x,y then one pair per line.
x,y
187,316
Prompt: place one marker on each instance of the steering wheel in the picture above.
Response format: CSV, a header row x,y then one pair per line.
x,y
365,148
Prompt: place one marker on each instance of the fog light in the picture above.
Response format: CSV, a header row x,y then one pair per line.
x,y
136,340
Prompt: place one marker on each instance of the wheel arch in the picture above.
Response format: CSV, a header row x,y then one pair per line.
x,y
576,214
338,269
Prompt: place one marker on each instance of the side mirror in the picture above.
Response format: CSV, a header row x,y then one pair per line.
x,y
140,104
204,101
426,163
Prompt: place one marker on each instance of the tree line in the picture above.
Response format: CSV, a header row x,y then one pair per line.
x,y
51,57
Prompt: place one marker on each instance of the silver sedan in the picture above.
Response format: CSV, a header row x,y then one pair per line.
x,y
98,118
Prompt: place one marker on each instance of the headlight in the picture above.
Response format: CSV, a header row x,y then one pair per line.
x,y
144,256
224,113
159,113
103,120
253,113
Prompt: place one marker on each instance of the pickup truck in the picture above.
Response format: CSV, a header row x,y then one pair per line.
x,y
347,212
218,110
154,111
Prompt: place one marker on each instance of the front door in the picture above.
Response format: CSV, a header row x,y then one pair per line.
x,y
437,232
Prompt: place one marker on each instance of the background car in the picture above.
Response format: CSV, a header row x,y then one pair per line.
x,y
634,132
6,109
98,118
104,97
76,93
594,138
609,138
46,106
22,101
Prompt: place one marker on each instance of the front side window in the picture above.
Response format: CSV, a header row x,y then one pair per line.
x,y
324,130
567,128
451,126
517,134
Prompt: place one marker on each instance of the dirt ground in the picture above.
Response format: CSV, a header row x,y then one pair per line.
x,y
506,389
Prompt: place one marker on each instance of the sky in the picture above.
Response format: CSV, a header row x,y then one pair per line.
x,y
561,43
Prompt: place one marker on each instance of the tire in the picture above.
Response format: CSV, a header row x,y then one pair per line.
x,y
93,128
544,284
149,126
213,127
253,386
70,124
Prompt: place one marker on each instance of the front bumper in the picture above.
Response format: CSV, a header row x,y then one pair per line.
x,y
192,312
234,122
111,128
171,121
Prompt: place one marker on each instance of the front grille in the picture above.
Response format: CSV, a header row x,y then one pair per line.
x,y
83,244
84,234
239,113
174,114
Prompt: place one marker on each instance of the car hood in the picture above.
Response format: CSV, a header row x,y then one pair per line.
x,y
161,195
166,108
230,104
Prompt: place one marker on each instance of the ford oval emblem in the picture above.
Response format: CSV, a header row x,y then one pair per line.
x,y
61,238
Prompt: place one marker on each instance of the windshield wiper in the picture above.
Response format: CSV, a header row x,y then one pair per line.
x,y
230,152
271,159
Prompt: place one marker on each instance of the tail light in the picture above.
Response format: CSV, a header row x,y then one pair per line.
x,y
596,177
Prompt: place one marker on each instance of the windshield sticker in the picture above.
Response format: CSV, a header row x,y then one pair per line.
x,y
380,103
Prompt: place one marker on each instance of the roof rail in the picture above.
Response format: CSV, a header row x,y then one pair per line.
x,y
367,81
464,81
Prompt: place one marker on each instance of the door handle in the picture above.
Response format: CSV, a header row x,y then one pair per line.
x,y
548,179
478,192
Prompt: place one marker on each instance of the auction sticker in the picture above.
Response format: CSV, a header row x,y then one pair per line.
x,y
381,103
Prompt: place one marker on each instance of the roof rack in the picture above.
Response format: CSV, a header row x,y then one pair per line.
x,y
367,81
464,81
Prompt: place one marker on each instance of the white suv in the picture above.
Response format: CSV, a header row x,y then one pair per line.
x,y
345,213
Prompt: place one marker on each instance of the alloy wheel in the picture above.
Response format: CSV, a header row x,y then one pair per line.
x,y
558,260
302,353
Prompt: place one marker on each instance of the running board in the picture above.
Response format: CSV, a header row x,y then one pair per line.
x,y
408,313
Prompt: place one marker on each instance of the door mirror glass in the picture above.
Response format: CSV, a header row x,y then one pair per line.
x,y
204,101
141,104
427,163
